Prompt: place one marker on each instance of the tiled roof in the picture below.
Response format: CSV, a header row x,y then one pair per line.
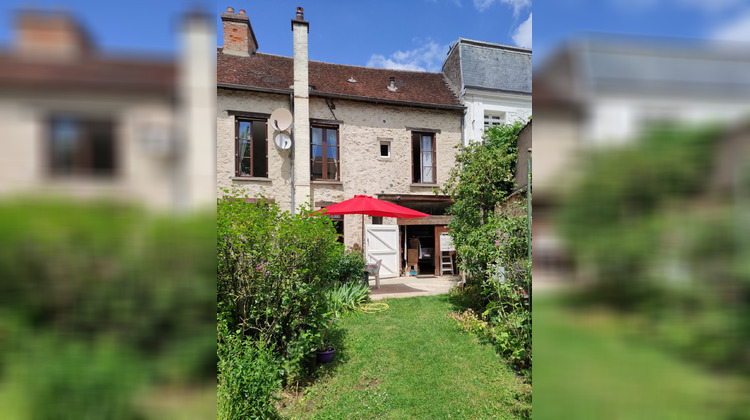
x,y
273,72
95,73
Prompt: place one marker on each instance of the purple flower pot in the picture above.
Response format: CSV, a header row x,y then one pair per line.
x,y
326,356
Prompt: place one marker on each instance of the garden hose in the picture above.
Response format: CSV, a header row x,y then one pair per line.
x,y
370,308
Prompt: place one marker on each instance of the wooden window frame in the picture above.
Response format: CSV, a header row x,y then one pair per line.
x,y
324,156
419,134
237,158
83,155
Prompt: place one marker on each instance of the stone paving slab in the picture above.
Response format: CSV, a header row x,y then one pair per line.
x,y
425,285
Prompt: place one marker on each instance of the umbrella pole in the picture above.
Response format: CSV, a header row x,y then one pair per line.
x,y
364,252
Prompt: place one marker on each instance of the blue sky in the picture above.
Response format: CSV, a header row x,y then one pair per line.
x,y
557,20
143,26
397,33
412,34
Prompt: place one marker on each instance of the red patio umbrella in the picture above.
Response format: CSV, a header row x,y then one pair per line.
x,y
364,204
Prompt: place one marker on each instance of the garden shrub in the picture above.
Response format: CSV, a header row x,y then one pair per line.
x,y
249,375
91,272
274,271
647,245
490,233
351,266
347,297
62,378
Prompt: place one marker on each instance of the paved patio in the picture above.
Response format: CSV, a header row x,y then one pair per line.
x,y
401,287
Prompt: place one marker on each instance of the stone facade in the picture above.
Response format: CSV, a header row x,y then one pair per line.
x,y
140,175
157,116
362,127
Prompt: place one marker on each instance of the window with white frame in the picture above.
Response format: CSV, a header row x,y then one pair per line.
x,y
493,118
385,147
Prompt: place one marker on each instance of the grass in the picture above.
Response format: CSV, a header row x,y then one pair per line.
x,y
593,364
410,362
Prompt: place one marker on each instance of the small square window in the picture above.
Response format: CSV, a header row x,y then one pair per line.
x,y
385,150
385,147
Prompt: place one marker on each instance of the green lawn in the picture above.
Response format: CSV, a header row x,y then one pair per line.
x,y
594,364
410,361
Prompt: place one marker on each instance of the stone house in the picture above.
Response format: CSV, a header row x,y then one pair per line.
x,y
76,121
492,80
391,134
601,91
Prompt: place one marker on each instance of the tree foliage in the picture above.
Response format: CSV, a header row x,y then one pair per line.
x,y
490,234
641,231
481,180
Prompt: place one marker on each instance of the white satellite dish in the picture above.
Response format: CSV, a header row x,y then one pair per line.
x,y
283,141
281,119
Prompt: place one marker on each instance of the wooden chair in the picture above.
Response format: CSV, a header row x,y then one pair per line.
x,y
374,268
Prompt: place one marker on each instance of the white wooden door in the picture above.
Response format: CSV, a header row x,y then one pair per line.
x,y
382,243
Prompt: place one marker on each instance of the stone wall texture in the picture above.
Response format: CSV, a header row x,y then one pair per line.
x,y
140,175
363,171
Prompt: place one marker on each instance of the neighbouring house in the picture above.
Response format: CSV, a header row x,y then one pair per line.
x,y
76,121
523,165
493,81
391,134
599,91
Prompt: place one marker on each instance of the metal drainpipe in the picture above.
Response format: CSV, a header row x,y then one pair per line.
x,y
528,204
291,152
464,142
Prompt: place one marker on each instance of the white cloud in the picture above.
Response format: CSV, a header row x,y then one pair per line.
x,y
736,30
522,36
427,57
517,5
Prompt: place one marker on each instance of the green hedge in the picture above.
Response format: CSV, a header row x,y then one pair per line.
x,y
113,297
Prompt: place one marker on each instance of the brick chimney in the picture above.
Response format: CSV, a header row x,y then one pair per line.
x,y
239,38
301,128
52,35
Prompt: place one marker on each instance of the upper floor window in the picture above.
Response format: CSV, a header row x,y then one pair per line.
x,y
324,153
81,146
493,118
251,148
423,158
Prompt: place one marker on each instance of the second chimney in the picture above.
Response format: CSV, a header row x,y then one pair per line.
x,y
239,38
51,35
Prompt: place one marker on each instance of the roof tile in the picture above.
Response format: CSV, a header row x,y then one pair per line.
x,y
267,71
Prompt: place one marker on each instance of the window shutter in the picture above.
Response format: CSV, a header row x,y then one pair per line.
x,y
236,146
